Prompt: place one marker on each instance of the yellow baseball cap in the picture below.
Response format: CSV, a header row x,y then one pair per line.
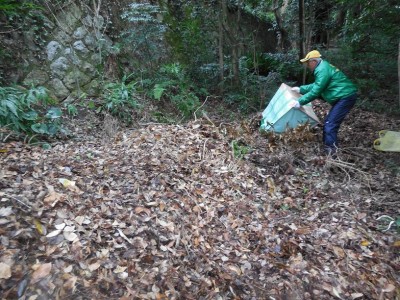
x,y
311,54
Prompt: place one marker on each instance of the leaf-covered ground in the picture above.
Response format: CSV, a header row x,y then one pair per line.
x,y
205,210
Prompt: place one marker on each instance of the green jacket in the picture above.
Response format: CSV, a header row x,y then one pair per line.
x,y
330,84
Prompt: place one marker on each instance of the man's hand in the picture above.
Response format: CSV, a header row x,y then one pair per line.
x,y
295,104
296,89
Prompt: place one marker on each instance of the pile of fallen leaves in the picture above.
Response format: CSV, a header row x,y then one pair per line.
x,y
173,212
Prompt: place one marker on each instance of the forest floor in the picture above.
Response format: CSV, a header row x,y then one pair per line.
x,y
204,210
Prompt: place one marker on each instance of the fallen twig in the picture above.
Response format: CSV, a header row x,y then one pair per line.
x,y
208,119
195,117
194,200
204,149
344,166
19,201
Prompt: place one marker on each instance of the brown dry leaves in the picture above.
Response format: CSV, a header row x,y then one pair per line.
x,y
168,212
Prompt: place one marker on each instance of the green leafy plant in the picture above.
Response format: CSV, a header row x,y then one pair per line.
x,y
239,149
120,99
17,8
373,72
163,117
20,18
256,87
285,207
29,111
72,110
174,88
285,64
187,33
145,38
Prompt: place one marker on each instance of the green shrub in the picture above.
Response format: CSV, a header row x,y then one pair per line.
x,y
370,71
257,87
239,149
285,64
29,111
187,103
21,18
172,87
72,110
120,99
143,39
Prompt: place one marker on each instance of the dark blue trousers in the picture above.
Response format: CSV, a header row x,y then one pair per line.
x,y
334,119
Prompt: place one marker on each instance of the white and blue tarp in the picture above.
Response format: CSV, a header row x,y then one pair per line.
x,y
279,115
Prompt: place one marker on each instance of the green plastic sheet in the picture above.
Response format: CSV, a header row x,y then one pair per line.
x,y
388,141
279,115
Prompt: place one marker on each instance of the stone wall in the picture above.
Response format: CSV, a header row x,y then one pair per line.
x,y
71,50
72,60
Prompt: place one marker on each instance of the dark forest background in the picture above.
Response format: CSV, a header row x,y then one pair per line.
x,y
173,56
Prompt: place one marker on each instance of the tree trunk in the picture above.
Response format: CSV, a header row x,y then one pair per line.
x,y
236,49
235,65
231,33
301,29
221,49
302,50
279,10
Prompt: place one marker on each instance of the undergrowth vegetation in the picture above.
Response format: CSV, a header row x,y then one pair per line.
x,y
25,16
174,56
29,112
172,87
120,99
375,80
